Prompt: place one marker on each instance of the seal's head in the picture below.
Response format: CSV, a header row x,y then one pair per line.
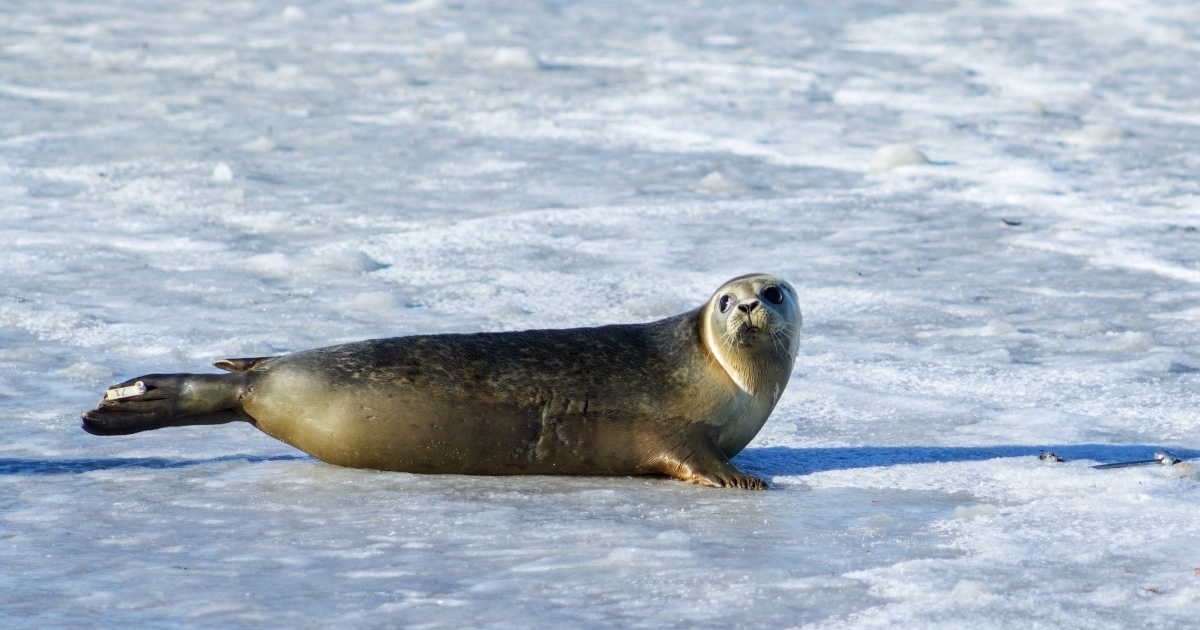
x,y
752,327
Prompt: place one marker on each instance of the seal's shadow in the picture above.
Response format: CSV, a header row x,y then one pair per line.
x,y
13,466
788,461
768,461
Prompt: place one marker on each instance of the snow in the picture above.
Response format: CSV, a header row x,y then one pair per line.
x,y
180,184
897,155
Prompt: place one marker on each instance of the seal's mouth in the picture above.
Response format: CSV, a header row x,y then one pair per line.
x,y
747,333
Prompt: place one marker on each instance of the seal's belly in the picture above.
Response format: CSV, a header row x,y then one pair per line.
x,y
403,428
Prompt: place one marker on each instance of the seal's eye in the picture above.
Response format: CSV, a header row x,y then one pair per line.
x,y
724,302
773,295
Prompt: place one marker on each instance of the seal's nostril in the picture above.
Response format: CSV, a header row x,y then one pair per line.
x,y
746,307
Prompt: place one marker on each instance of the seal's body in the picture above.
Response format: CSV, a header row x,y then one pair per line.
x,y
677,396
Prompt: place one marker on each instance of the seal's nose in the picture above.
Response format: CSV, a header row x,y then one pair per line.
x,y
746,307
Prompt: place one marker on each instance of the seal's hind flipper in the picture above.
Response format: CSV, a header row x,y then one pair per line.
x,y
167,400
108,422
241,365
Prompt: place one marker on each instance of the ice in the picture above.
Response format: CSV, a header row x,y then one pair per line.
x,y
893,156
1036,108
415,7
222,173
1100,133
258,145
967,590
294,14
971,512
715,182
514,58
181,184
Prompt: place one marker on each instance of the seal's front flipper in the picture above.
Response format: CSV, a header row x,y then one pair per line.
x,y
156,401
698,460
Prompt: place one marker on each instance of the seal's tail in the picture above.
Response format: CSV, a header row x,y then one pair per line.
x,y
156,401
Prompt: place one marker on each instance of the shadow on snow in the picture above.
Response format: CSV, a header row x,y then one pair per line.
x,y
13,466
788,461
769,461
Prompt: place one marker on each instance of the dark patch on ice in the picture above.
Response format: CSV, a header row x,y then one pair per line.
x,y
16,466
1181,368
787,461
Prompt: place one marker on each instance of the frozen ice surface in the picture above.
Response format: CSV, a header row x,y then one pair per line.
x,y
714,182
186,182
222,172
514,58
893,156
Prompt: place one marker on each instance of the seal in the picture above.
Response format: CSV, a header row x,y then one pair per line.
x,y
676,397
